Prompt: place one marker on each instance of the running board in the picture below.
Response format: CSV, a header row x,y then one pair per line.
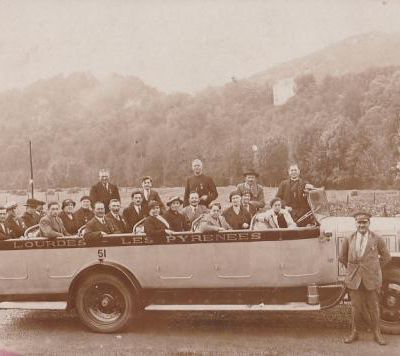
x,y
253,307
34,305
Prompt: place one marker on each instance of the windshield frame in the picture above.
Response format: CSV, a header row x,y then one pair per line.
x,y
319,204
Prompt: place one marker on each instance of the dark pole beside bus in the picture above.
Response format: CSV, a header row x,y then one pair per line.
x,y
30,158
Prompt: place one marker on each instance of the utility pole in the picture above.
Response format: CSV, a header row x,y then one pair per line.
x,y
30,159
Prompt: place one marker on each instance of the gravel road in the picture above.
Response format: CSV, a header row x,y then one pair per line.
x,y
191,334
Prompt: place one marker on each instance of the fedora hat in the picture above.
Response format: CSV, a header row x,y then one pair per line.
x,y
250,172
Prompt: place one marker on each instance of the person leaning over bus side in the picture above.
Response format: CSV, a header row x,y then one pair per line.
x,y
176,220
14,223
84,213
364,254
67,216
51,226
135,211
213,221
155,226
97,227
236,216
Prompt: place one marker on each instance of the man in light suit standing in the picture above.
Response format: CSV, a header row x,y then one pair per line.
x,y
364,254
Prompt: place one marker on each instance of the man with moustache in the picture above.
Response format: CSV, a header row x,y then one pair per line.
x,y
97,227
194,210
134,212
364,254
114,219
51,226
15,225
256,190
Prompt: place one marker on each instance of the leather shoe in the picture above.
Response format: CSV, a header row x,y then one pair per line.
x,y
352,337
379,337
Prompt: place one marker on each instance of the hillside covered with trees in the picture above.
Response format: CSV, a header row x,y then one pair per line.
x,y
342,130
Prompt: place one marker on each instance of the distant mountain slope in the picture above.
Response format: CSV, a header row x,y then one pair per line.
x,y
352,55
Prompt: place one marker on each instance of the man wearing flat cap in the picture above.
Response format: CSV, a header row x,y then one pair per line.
x,y
364,254
15,225
31,217
104,191
176,220
256,190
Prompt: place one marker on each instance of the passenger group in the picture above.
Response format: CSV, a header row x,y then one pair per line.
x,y
100,211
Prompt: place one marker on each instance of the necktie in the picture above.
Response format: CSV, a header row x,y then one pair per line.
x,y
360,247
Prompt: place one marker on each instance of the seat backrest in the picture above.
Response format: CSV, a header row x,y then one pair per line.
x,y
81,231
32,231
196,224
139,227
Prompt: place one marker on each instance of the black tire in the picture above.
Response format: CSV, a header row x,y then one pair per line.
x,y
104,302
390,301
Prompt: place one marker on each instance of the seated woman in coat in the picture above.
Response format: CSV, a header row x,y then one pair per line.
x,y
275,218
67,216
155,226
236,216
176,220
213,221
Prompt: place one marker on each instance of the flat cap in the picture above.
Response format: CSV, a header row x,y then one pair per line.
x,y
153,203
362,216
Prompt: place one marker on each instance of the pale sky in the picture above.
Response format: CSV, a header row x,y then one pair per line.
x,y
175,45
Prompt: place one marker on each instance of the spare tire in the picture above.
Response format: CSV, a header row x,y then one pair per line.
x,y
390,301
104,302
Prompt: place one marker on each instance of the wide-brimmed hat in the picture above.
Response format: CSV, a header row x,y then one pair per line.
x,y
362,216
174,198
67,202
33,203
250,172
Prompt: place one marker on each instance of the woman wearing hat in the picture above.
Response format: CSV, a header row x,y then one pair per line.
x,y
67,216
176,220
155,226
236,216
214,221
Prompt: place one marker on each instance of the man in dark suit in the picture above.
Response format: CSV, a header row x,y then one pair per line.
x,y
31,217
84,213
15,225
149,194
135,212
364,254
114,219
293,192
97,227
200,183
3,228
104,191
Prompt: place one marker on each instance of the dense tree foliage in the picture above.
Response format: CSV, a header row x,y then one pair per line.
x,y
344,131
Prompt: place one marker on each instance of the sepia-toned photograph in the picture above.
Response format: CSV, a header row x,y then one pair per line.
x,y
200,177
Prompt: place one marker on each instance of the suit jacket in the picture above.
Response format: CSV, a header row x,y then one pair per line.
x,y
154,228
30,219
52,227
82,216
116,226
292,193
256,193
93,229
251,209
208,224
368,268
99,193
70,224
176,221
152,196
271,220
132,217
191,216
202,184
236,221
4,234
16,227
